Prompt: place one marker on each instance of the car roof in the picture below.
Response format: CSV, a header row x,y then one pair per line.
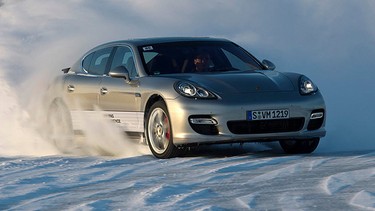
x,y
155,40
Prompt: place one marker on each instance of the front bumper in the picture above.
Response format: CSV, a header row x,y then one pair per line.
x,y
233,108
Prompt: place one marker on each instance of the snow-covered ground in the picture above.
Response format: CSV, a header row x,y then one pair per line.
x,y
331,42
234,179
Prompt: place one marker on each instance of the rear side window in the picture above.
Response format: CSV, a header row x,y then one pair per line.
x,y
96,62
87,61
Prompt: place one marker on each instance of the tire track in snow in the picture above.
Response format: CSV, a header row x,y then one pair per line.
x,y
337,182
364,200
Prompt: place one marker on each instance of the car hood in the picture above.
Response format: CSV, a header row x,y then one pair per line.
x,y
241,82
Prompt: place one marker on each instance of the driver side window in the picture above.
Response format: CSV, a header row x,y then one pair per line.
x,y
124,57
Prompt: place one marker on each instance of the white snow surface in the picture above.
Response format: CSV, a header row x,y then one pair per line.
x,y
235,179
331,42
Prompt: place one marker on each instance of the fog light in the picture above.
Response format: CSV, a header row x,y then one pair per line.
x,y
203,121
317,115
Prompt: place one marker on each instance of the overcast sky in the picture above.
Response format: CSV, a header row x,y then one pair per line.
x,y
332,42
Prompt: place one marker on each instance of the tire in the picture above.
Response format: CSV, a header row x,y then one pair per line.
x,y
60,129
304,146
159,131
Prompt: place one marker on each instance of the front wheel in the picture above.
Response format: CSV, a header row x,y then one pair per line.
x,y
304,146
159,131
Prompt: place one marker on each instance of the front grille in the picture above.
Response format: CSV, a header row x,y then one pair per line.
x,y
315,124
205,129
266,126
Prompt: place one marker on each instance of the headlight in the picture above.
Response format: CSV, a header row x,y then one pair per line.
x,y
306,86
190,90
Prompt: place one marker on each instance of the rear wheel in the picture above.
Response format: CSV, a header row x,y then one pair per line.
x,y
159,131
299,146
60,129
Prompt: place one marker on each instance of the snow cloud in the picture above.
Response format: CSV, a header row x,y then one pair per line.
x,y
331,42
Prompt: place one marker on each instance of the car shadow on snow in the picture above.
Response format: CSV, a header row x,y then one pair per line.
x,y
231,150
264,149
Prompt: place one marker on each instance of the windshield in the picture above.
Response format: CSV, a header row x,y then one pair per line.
x,y
190,57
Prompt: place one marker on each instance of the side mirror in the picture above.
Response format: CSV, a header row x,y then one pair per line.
x,y
120,72
268,65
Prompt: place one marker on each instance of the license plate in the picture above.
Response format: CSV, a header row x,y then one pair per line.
x,y
268,114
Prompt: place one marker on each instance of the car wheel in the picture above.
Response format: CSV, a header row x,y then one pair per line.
x,y
299,146
159,131
60,129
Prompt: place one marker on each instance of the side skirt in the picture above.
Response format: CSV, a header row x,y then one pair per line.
x,y
127,121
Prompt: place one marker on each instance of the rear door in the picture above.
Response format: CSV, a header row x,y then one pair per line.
x,y
83,89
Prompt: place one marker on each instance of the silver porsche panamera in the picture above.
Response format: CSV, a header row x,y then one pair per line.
x,y
180,92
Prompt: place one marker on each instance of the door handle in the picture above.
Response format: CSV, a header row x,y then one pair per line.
x,y
103,91
70,88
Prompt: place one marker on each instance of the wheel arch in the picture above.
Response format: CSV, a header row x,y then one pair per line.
x,y
169,149
57,100
48,104
152,100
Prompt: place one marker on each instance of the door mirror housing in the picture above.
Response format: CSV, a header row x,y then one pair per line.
x,y
120,72
268,65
